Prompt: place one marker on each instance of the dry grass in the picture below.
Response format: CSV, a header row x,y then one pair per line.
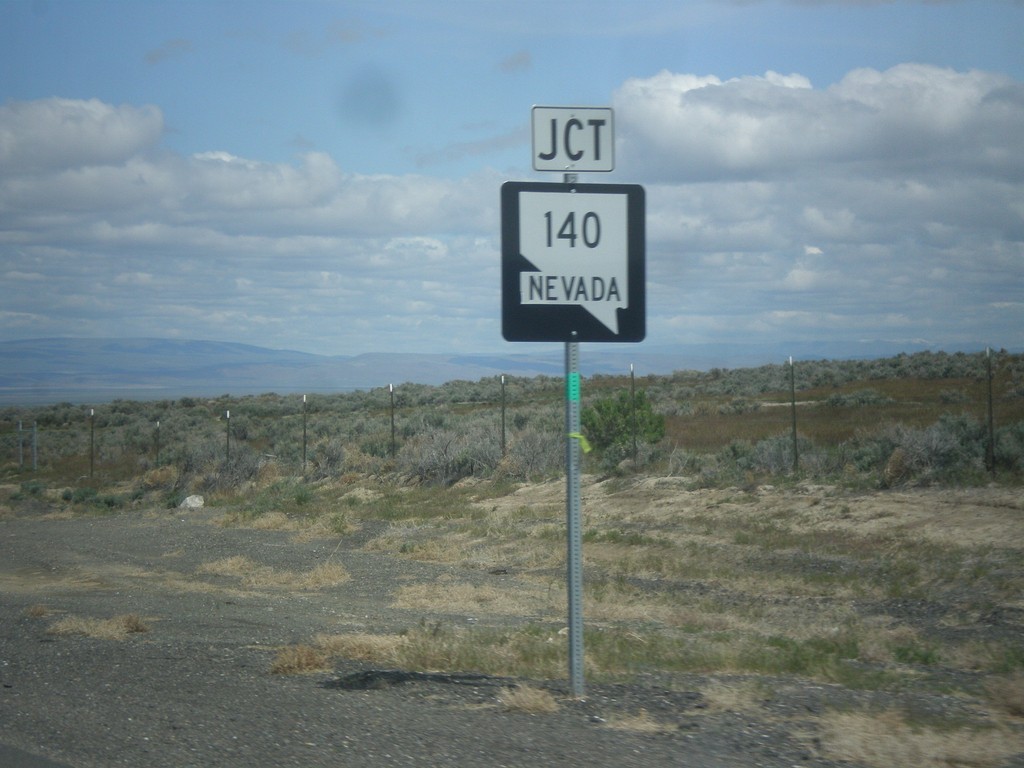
x,y
758,580
323,576
273,521
640,722
732,696
380,649
887,739
161,477
237,566
117,628
37,611
1007,693
256,576
434,648
458,597
299,660
528,700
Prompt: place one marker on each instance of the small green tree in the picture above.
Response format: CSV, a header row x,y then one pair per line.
x,y
608,423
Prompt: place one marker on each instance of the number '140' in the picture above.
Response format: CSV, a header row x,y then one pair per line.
x,y
589,229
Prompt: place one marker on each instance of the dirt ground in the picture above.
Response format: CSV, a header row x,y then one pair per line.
x,y
195,688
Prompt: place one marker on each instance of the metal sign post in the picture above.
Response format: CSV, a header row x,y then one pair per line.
x,y
574,525
572,270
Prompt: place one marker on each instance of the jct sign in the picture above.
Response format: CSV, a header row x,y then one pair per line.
x,y
572,260
573,139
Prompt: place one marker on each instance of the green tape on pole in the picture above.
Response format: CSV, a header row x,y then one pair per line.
x,y
572,388
584,444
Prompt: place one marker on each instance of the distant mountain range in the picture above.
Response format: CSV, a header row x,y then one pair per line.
x,y
37,371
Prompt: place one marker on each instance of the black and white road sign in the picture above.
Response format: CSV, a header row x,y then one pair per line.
x,y
573,139
572,259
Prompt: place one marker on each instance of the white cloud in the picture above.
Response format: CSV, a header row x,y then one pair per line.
x,y
886,205
911,116
66,133
802,279
29,277
889,174
134,278
215,241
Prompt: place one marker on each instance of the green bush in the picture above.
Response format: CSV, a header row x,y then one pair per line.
x,y
79,495
1009,447
608,423
29,489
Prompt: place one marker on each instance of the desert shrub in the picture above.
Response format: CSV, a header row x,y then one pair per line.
x,y
611,458
1009,447
728,466
483,443
436,457
738,454
241,467
161,478
868,453
676,407
821,462
110,501
739,405
534,454
684,462
426,419
192,430
358,461
950,450
742,460
31,488
87,495
82,495
858,398
326,459
608,423
194,458
774,455
378,444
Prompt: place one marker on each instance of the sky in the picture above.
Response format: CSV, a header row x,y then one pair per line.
x,y
325,176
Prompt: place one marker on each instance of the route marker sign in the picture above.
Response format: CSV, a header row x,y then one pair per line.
x,y
573,139
572,270
573,262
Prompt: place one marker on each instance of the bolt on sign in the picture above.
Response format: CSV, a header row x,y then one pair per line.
x,y
573,262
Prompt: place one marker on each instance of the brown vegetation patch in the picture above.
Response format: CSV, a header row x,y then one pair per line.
x,y
298,660
528,700
445,596
639,722
116,628
1007,693
380,649
256,576
890,738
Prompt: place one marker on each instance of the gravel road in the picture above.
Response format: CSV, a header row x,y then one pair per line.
x,y
196,688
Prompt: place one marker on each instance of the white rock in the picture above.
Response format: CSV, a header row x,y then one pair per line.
x,y
192,502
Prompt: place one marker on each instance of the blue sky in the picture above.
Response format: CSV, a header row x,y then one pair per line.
x,y
325,176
